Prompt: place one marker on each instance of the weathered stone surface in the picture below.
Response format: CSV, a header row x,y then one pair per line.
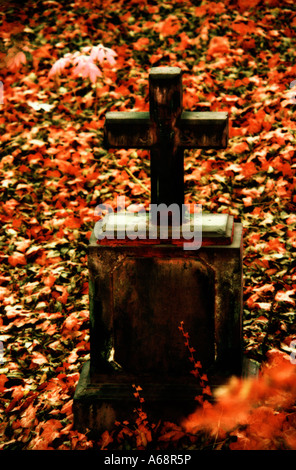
x,y
151,296
155,285
138,297
128,229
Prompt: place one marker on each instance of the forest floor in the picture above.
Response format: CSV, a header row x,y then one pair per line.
x,y
236,56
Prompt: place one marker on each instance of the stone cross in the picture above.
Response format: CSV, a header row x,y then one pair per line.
x,y
166,130
140,293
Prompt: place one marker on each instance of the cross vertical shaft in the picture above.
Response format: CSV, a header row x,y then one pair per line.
x,y
167,158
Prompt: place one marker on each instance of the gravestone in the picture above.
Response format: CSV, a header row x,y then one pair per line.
x,y
142,287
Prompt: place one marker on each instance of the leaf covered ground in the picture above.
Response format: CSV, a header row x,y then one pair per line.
x,y
236,56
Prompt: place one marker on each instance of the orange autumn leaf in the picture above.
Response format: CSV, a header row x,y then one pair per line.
x,y
265,422
49,280
275,245
71,323
247,4
23,245
17,258
38,359
282,296
218,45
169,27
51,430
3,379
28,416
64,296
106,439
4,292
248,169
141,44
14,61
240,148
243,28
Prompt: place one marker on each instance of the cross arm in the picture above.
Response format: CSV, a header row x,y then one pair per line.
x,y
128,129
203,130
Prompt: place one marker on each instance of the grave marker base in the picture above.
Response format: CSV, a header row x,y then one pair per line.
x,y
97,406
104,393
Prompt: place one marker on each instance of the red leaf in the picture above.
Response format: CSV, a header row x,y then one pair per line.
x,y
3,379
51,430
106,439
249,169
38,359
141,44
169,27
14,62
275,245
206,390
218,45
240,148
49,280
17,258
28,416
63,298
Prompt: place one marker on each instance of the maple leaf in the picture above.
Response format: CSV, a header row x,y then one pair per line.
x,y
3,379
103,54
60,65
141,44
38,359
4,292
14,62
170,26
248,169
240,147
49,280
282,296
50,430
105,440
247,4
86,68
28,416
17,258
218,45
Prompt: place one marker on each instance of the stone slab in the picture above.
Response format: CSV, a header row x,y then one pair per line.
x,y
114,224
126,228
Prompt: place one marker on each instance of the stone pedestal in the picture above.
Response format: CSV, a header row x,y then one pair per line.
x,y
138,297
